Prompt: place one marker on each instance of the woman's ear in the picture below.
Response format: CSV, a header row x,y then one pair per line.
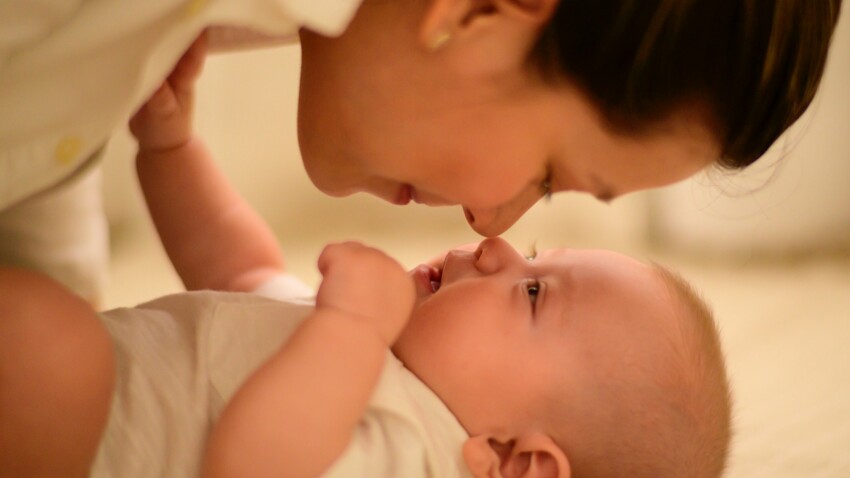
x,y
531,455
448,21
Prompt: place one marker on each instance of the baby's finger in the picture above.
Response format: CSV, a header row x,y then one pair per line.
x,y
190,65
329,255
160,105
163,102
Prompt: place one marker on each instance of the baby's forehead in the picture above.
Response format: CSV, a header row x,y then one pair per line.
x,y
602,258
618,278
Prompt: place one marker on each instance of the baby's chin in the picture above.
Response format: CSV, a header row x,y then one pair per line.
x,y
399,348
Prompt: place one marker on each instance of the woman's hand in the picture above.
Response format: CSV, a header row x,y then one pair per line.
x,y
368,285
165,122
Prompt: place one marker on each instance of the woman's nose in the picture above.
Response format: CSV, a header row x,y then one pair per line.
x,y
494,254
490,223
494,221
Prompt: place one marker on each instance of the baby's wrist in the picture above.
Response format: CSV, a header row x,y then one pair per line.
x,y
155,151
361,326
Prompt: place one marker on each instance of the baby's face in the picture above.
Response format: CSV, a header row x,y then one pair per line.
x,y
492,332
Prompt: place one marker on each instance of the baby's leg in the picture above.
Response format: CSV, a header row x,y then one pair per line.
x,y
56,378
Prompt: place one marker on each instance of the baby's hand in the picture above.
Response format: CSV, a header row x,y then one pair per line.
x,y
367,284
165,121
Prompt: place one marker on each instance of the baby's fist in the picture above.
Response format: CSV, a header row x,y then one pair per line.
x,y
367,284
164,122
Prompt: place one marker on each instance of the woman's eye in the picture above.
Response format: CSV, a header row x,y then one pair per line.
x,y
546,184
546,188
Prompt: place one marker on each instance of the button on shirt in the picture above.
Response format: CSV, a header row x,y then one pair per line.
x,y
71,71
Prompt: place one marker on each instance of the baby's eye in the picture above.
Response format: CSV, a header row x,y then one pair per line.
x,y
532,287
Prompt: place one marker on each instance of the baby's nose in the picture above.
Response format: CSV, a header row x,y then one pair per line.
x,y
493,254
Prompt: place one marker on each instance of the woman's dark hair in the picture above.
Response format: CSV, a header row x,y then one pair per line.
x,y
756,64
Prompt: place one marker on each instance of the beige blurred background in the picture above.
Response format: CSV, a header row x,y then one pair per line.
x,y
768,248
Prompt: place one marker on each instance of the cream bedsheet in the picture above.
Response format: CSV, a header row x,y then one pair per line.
x,y
786,330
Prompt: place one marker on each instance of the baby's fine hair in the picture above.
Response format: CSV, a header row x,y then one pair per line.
x,y
706,399
667,419
752,65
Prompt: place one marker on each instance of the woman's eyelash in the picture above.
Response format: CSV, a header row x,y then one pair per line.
x,y
546,188
546,185
532,253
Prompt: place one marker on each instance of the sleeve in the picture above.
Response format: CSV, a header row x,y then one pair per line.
x,y
223,38
23,22
383,446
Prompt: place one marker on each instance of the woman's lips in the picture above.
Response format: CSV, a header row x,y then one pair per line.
x,y
405,194
436,279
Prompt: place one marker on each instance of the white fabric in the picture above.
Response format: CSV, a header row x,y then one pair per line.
x,y
286,287
181,357
73,70
62,233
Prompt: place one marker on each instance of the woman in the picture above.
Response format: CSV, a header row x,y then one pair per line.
x,y
492,105
488,104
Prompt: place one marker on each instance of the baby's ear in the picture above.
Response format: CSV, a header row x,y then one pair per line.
x,y
531,455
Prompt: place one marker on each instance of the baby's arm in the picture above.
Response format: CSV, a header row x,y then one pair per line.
x,y
212,236
296,414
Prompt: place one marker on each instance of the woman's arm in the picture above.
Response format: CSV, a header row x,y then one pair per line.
x,y
296,414
211,234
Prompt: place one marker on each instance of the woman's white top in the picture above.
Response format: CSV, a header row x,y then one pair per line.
x,y
71,71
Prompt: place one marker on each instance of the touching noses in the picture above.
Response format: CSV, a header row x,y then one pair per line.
x,y
494,221
494,254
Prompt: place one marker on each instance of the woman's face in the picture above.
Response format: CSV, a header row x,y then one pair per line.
x,y
468,125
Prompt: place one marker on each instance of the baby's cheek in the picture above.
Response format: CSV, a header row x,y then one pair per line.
x,y
415,340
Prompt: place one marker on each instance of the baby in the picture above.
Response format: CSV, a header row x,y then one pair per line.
x,y
481,363
573,363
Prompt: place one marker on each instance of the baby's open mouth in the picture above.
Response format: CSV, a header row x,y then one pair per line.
x,y
436,276
428,279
